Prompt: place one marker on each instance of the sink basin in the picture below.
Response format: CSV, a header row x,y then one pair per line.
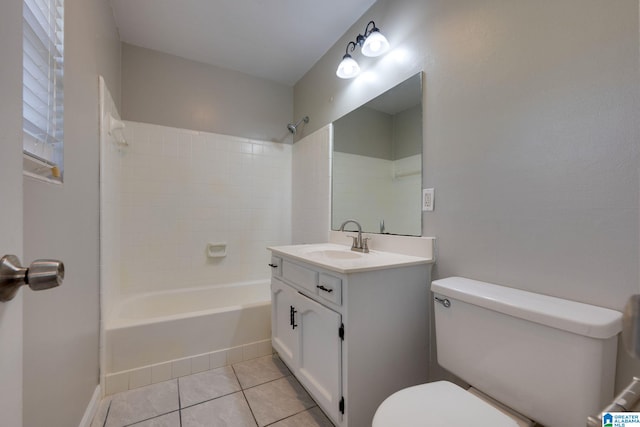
x,y
334,254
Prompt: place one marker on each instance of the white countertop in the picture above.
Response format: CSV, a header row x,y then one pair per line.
x,y
342,259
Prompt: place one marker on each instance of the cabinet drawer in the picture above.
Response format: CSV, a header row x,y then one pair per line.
x,y
301,276
330,288
276,266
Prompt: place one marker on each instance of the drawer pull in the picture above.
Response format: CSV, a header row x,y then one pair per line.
x,y
322,288
273,266
292,320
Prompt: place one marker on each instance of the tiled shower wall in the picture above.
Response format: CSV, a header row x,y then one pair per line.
x,y
110,202
182,189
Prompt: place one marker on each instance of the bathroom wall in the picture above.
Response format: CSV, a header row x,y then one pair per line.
x,y
182,189
61,326
167,90
531,136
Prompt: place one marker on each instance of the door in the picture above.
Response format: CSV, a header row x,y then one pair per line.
x,y
11,206
319,351
11,312
283,332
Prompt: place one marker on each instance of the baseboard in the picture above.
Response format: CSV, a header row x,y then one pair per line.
x,y
92,408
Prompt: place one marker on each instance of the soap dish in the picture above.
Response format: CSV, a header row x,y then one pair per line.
x,y
217,250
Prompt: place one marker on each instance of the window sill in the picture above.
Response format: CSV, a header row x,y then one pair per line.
x,y
40,169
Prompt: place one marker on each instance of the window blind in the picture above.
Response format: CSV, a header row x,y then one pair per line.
x,y
43,70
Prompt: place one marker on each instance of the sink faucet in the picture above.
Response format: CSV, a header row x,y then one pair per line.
x,y
359,244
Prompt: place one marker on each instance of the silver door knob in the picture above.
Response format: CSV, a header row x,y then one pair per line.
x,y
41,274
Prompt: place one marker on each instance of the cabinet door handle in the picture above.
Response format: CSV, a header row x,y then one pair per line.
x,y
322,288
292,317
273,266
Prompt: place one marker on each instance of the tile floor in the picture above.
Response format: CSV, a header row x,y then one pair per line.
x,y
259,392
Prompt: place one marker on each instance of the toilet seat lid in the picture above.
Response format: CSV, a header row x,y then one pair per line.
x,y
438,404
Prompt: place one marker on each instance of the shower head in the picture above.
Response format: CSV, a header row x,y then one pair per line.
x,y
294,128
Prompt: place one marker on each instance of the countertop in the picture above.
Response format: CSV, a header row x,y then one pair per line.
x,y
342,259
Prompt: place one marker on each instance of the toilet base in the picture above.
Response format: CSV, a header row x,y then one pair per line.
x,y
518,418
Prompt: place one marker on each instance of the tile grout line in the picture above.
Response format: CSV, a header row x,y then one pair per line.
x,y
267,382
151,418
211,400
104,424
293,415
245,396
179,403
158,415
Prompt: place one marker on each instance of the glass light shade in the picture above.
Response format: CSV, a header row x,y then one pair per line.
x,y
375,44
348,68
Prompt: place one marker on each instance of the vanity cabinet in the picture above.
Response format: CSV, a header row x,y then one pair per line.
x,y
306,336
350,337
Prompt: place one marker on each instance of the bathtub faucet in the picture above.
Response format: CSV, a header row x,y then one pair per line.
x,y
359,244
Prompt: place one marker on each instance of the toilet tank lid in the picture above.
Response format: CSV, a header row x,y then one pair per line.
x,y
583,319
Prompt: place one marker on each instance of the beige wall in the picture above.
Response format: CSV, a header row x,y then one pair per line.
x,y
163,89
531,136
61,326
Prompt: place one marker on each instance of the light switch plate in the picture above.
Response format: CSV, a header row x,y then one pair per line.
x,y
427,199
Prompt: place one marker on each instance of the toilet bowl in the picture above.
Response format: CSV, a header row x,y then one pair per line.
x,y
443,403
539,358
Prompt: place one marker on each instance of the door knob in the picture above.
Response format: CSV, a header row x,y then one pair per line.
x,y
41,274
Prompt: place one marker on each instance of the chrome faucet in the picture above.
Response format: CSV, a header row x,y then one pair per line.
x,y
359,244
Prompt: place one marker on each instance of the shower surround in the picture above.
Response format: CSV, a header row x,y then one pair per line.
x,y
184,189
164,197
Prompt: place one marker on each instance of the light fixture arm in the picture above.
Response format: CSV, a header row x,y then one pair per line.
x,y
353,47
367,32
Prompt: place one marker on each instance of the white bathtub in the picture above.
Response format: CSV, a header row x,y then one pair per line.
x,y
157,336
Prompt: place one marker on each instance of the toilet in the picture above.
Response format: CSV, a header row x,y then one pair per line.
x,y
528,357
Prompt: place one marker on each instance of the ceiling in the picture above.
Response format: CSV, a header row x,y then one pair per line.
x,y
278,40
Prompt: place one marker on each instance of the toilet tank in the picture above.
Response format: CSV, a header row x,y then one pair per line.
x,y
550,359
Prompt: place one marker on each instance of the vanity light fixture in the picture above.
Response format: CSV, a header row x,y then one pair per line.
x,y
372,43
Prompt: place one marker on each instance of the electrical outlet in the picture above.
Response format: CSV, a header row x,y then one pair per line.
x,y
427,199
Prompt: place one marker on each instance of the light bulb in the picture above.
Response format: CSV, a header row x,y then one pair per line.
x,y
348,68
375,44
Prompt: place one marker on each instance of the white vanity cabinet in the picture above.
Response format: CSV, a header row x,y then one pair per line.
x,y
307,338
352,336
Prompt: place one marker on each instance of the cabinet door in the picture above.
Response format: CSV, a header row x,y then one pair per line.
x,y
319,353
283,335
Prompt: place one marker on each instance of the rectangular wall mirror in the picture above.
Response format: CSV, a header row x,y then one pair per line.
x,y
377,163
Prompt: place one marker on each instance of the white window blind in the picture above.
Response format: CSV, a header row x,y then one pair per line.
x,y
43,53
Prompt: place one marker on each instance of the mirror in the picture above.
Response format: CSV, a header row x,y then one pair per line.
x,y
377,163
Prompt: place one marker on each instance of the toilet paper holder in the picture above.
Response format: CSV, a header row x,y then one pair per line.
x,y
40,275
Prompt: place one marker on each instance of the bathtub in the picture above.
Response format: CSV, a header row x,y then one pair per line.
x,y
157,336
